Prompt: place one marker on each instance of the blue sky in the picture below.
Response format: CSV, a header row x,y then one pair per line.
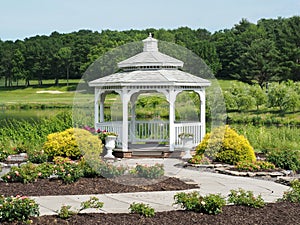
x,y
26,18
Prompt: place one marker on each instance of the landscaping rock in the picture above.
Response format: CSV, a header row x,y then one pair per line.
x,y
22,157
217,165
276,174
261,173
251,174
288,172
236,173
221,170
285,180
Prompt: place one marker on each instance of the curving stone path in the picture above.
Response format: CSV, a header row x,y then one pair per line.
x,y
163,200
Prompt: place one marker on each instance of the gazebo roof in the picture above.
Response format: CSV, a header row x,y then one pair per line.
x,y
163,77
150,67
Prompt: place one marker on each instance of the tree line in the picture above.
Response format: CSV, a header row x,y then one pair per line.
x,y
253,53
284,96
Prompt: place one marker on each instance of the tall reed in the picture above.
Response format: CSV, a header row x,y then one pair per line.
x,y
264,138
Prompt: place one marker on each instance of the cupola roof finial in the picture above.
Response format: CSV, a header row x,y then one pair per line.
x,y
150,44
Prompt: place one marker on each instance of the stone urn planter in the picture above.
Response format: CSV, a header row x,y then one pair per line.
x,y
110,144
187,144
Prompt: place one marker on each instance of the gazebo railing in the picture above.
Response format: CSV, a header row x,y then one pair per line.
x,y
153,131
188,127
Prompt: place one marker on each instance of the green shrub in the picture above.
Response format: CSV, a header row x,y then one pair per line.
x,y
200,159
109,171
5,150
89,167
255,166
73,143
93,202
209,204
246,198
285,159
247,166
45,170
37,156
188,201
19,208
142,209
69,172
292,195
213,204
151,172
225,145
61,160
26,173
264,165
65,211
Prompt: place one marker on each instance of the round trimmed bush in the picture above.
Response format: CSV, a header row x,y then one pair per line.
x,y
72,143
223,144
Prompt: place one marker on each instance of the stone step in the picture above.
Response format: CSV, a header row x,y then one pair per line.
x,y
149,153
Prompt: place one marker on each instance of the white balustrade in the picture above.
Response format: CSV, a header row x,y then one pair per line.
x,y
188,127
153,131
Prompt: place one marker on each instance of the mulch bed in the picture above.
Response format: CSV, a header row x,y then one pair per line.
x,y
87,186
271,214
282,213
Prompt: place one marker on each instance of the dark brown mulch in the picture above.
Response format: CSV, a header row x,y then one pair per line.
x,y
85,186
271,214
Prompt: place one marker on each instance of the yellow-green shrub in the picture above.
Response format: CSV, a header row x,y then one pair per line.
x,y
72,143
225,145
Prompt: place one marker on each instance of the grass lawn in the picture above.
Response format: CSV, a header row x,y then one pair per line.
x,y
48,94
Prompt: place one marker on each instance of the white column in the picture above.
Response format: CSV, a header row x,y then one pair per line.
x,y
133,107
172,99
202,112
125,100
96,107
102,99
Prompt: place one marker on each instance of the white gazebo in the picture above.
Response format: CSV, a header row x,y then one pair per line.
x,y
149,72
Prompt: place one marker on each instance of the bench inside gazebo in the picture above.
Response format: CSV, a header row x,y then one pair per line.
x,y
149,72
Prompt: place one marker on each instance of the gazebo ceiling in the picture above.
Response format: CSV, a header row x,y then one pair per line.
x,y
150,67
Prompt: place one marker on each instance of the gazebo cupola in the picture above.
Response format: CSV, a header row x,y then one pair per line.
x,y
147,72
150,58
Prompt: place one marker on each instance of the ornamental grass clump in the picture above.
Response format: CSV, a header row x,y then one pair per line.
x,y
223,144
72,143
